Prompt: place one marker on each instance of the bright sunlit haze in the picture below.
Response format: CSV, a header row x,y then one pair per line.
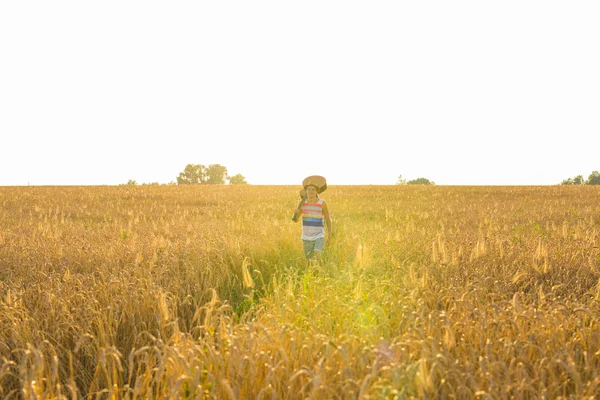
x,y
462,93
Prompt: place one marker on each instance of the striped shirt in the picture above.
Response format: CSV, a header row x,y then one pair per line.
x,y
313,226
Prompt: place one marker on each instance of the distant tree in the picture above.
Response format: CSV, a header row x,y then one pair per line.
x,y
237,180
593,179
578,180
401,180
420,181
193,174
216,174
567,181
131,182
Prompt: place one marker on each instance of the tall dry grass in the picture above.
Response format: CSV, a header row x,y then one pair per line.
x,y
202,292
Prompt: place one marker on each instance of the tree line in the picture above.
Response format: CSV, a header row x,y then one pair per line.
x,y
418,181
214,174
198,174
593,179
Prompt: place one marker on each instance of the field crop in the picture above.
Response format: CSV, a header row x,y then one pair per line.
x,y
136,292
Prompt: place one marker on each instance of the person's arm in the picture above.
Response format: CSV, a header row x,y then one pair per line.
x,y
298,211
328,224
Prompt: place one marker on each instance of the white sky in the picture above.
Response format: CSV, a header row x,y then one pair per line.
x,y
460,92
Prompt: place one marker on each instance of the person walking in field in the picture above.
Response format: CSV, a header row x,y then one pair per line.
x,y
316,221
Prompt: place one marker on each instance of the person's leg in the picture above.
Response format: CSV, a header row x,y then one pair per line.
x,y
318,249
309,248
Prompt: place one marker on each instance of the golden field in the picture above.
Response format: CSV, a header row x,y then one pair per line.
x,y
168,292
